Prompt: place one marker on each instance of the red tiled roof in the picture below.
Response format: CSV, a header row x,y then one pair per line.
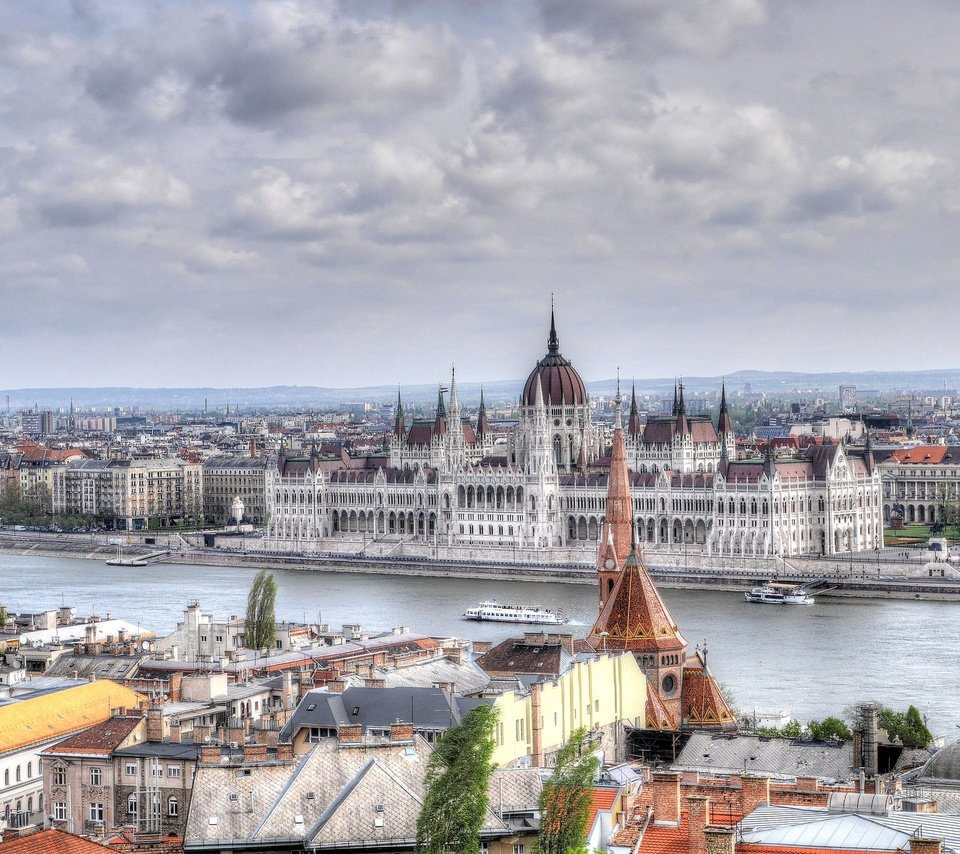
x,y
51,842
600,799
102,738
702,704
925,455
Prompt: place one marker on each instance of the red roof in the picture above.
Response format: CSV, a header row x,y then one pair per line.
x,y
600,799
925,455
51,842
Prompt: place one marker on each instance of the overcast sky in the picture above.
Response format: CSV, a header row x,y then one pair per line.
x,y
341,194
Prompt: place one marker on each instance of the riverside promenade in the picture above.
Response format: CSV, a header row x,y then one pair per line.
x,y
884,574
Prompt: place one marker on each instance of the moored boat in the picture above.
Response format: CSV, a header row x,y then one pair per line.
x,y
775,593
495,612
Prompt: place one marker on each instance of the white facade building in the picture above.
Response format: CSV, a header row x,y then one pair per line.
x,y
444,483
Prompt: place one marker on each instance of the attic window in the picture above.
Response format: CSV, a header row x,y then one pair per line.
x,y
355,712
311,707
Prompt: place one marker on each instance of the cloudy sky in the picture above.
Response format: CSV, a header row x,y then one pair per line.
x,y
355,193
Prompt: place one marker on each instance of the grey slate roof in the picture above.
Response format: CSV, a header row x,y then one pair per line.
x,y
426,708
161,749
817,827
100,666
467,678
326,798
782,758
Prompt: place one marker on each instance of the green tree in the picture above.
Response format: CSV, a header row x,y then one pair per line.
x,y
261,624
829,728
565,799
906,727
3,616
455,807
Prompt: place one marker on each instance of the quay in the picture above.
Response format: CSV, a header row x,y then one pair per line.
x,y
881,575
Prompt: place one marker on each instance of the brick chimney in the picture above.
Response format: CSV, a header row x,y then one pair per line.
x,y
808,784
352,734
176,687
922,845
209,753
698,817
720,840
372,682
665,791
284,751
401,732
155,724
754,791
254,753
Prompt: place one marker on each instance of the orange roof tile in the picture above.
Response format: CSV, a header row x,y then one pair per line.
x,y
600,799
51,842
780,849
924,455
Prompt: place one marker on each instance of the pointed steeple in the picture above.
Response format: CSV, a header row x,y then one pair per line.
x,y
769,461
676,403
483,425
440,422
618,524
868,454
634,427
724,426
553,343
682,425
618,403
399,426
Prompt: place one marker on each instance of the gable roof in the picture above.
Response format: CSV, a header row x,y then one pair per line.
x,y
100,739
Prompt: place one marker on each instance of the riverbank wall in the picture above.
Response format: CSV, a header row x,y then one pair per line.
x,y
882,576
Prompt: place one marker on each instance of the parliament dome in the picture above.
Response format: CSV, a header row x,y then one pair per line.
x,y
562,385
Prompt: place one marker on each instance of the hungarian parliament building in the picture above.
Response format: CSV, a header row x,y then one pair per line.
x,y
445,484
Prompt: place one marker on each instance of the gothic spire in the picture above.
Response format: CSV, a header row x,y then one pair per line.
x,y
618,402
634,427
483,425
723,422
676,404
399,426
553,343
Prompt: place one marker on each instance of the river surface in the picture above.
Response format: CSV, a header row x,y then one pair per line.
x,y
812,662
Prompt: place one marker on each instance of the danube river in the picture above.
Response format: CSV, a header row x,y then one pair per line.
x,y
811,662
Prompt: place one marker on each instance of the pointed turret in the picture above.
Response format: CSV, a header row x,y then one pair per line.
x,y
723,422
635,619
483,425
868,454
769,461
553,343
634,427
453,414
682,425
618,403
676,402
440,422
399,427
618,523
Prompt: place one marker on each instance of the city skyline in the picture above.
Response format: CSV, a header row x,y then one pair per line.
x,y
342,194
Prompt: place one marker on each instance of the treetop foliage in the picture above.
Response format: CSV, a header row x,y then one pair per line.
x,y
455,807
565,799
260,630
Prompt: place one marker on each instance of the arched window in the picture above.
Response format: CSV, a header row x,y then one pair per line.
x,y
132,805
173,807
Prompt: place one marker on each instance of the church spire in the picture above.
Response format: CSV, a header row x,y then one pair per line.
x,y
553,343
483,425
676,403
399,426
634,428
618,524
618,402
723,422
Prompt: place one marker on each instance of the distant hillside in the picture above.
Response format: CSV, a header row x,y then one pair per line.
x,y
296,398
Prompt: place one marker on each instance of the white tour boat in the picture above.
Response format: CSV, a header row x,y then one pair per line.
x,y
496,612
774,593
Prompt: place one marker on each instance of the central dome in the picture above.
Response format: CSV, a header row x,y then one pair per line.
x,y
560,381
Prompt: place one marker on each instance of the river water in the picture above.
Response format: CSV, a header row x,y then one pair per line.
x,y
811,662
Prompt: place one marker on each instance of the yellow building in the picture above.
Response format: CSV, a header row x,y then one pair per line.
x,y
29,726
601,694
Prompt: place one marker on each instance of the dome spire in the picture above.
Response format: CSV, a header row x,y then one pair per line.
x,y
553,343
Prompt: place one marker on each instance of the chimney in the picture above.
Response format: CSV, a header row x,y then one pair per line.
x,y
154,724
720,840
176,683
254,753
754,791
808,784
284,752
536,729
236,731
209,753
923,845
175,733
336,686
698,817
352,734
665,787
371,682
401,732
